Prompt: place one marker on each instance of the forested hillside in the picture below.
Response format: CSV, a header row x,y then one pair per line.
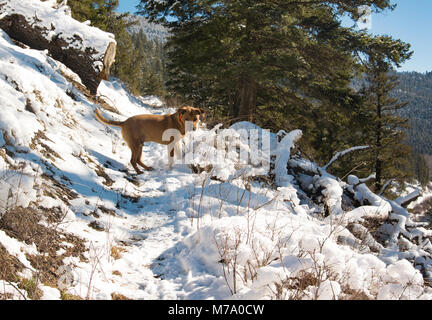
x,y
244,60
416,89
154,32
206,65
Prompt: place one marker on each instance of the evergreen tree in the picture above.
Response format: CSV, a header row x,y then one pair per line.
x,y
247,49
152,67
383,128
420,168
283,64
129,61
152,85
96,11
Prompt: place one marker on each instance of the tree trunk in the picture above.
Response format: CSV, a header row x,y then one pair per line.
x,y
87,51
378,175
378,144
245,99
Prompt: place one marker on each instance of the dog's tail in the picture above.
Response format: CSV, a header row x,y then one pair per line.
x,y
100,118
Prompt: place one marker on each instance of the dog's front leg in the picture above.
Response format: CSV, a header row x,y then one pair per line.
x,y
173,152
170,157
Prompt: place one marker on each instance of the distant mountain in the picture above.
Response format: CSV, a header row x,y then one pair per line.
x,y
416,89
152,31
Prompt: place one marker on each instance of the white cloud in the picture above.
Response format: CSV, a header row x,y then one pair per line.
x,y
365,20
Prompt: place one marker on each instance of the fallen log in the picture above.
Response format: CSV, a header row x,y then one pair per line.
x,y
404,201
42,25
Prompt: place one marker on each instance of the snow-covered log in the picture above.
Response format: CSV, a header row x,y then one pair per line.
x,y
406,200
87,50
367,198
283,156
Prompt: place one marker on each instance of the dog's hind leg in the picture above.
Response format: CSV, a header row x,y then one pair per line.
x,y
139,159
134,159
134,150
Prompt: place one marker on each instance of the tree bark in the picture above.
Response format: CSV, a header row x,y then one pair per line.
x,y
378,161
245,99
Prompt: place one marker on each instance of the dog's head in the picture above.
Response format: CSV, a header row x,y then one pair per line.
x,y
188,113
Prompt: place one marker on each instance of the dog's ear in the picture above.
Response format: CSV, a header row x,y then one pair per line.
x,y
201,113
182,110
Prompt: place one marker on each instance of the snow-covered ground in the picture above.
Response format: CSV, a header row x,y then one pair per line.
x,y
49,16
232,233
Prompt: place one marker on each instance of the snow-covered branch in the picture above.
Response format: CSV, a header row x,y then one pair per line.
x,y
342,153
406,200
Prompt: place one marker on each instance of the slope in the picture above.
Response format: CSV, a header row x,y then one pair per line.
x,y
416,88
76,223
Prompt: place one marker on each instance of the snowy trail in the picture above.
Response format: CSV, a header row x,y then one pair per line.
x,y
158,236
154,229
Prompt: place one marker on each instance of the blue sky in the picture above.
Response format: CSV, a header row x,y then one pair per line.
x,y
411,22
127,5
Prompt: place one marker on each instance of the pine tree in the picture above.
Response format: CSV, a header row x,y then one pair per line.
x,y
383,128
283,64
129,61
420,168
151,81
96,11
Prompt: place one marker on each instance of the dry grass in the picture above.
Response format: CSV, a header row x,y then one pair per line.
x,y
119,296
57,190
10,266
117,273
96,225
101,173
105,210
116,252
293,288
46,151
68,296
24,225
31,287
349,294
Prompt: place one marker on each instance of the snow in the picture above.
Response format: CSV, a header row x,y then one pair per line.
x,y
403,199
332,192
283,155
221,234
49,293
362,193
46,14
17,249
